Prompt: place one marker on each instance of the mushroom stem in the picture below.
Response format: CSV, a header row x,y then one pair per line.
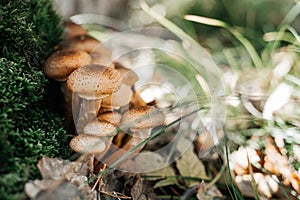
x,y
88,111
135,139
67,104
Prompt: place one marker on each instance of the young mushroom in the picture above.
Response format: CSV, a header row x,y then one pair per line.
x,y
58,67
90,145
95,141
72,29
102,129
140,121
63,62
123,96
111,117
86,43
92,83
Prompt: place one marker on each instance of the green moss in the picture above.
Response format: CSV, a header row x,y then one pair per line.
x,y
30,24
29,30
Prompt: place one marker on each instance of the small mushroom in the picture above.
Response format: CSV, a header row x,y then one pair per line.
x,y
72,29
118,99
123,96
86,43
63,62
111,117
129,76
89,144
142,118
92,83
58,67
102,129
140,121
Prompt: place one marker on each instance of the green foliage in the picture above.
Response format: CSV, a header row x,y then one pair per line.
x,y
29,30
31,25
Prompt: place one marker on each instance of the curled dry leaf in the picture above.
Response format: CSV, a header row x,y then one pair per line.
x,y
61,179
59,169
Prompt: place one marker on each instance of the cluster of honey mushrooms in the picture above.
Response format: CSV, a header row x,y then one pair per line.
x,y
101,100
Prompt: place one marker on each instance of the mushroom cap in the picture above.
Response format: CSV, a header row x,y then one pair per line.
x,y
94,81
118,99
72,29
100,128
129,77
86,43
143,117
101,59
63,62
111,117
87,144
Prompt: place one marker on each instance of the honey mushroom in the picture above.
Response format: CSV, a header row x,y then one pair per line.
x,y
104,130
59,66
92,83
140,121
123,96
72,29
88,44
95,141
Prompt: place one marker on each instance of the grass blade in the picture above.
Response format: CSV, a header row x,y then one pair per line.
x,y
218,23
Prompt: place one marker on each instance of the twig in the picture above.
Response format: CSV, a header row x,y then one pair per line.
x,y
116,195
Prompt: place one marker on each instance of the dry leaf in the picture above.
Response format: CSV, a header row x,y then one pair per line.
x,y
189,165
60,180
57,169
148,161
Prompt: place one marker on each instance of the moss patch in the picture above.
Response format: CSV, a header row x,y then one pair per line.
x,y
29,30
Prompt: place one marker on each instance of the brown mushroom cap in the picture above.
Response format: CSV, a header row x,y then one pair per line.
x,y
111,117
129,76
94,81
87,144
143,117
86,43
100,128
63,62
72,29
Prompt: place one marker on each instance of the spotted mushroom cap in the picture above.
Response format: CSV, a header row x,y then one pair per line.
x,y
143,117
111,117
87,144
94,81
63,62
129,77
100,128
